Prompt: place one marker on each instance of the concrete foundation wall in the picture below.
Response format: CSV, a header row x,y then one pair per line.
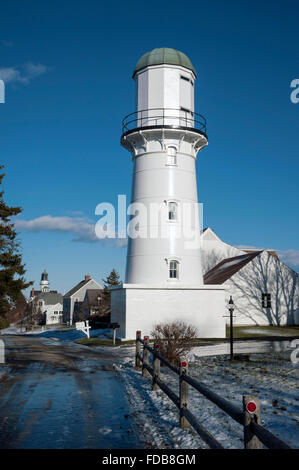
x,y
139,307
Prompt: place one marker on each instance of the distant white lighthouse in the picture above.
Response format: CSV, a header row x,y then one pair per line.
x,y
164,279
44,282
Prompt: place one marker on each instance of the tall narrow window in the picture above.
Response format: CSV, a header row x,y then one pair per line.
x,y
185,94
173,269
266,300
172,211
171,154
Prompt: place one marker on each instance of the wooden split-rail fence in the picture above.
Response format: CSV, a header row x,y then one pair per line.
x,y
249,416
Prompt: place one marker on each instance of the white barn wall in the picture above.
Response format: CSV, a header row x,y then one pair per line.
x,y
264,274
214,250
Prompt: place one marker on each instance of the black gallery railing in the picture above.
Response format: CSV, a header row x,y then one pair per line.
x,y
164,117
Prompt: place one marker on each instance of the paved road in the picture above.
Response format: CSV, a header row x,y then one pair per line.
x,y
55,395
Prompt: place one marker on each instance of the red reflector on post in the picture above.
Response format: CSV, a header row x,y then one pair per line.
x,y
145,339
184,364
251,406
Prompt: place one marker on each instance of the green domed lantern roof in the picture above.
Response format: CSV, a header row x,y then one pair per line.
x,y
164,55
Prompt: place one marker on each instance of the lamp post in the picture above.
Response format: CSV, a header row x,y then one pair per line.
x,y
231,309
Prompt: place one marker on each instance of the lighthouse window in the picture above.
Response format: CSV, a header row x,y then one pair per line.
x,y
171,152
172,211
173,270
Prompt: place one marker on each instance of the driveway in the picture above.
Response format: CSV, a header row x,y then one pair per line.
x,y
62,396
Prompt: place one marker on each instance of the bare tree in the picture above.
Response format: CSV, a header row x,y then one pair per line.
x,y
266,274
210,258
175,339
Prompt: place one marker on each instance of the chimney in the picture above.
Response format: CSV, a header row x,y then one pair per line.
x,y
32,292
87,277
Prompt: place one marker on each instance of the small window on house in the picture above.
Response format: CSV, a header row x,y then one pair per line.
x,y
40,303
266,300
171,155
172,211
173,269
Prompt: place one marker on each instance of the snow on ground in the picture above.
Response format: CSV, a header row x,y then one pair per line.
x,y
59,334
240,347
266,332
270,376
15,330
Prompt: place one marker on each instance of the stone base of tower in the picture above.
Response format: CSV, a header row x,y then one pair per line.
x,y
141,307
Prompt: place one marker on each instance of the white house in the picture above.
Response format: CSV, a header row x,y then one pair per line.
x,y
74,298
47,303
265,291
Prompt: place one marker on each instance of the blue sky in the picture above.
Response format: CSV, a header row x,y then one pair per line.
x,y
68,66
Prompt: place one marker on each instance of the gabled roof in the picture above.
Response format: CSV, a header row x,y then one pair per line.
x,y
208,232
37,292
228,267
50,298
79,286
92,295
272,252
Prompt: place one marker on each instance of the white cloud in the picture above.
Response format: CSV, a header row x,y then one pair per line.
x,y
248,247
84,231
289,257
22,74
82,228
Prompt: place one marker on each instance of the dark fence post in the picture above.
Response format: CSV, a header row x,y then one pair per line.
x,y
145,372
184,393
252,412
138,349
156,367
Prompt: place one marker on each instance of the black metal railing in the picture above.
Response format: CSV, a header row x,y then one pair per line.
x,y
164,117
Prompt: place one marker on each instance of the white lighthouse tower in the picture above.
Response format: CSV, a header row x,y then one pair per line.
x,y
164,279
44,282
